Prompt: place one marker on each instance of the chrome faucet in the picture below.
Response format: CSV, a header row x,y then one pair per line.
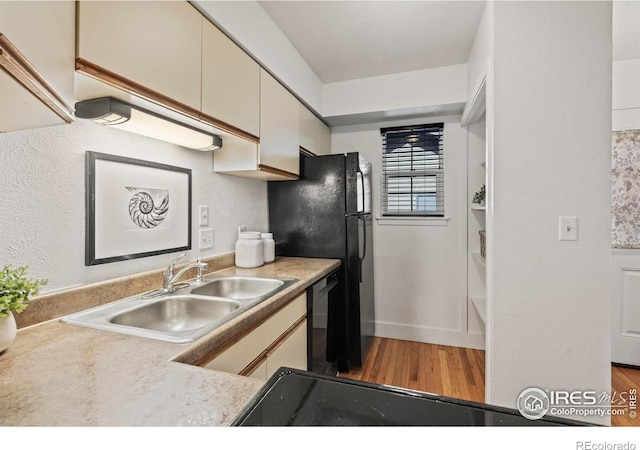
x,y
169,278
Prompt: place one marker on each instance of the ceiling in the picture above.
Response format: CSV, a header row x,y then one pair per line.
x,y
344,40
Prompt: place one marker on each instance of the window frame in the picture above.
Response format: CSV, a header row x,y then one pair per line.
x,y
424,170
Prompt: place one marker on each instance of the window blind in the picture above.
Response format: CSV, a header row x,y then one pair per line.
x,y
413,170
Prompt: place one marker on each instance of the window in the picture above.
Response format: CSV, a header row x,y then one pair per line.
x,y
413,171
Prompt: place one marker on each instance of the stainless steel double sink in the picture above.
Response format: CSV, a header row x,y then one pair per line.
x,y
185,315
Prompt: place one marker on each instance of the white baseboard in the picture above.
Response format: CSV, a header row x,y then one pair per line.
x,y
430,335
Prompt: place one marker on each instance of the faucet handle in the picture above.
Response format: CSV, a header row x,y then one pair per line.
x,y
201,266
169,270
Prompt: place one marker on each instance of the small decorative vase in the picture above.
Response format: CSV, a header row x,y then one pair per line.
x,y
8,331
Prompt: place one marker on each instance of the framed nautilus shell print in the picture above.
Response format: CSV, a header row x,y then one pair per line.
x,y
135,208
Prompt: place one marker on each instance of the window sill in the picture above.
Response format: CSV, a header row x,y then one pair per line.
x,y
414,221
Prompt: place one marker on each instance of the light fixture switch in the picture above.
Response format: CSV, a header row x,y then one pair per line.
x,y
204,216
206,238
568,228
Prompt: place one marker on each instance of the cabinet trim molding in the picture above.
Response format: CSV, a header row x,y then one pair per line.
x,y
306,152
19,68
274,345
277,171
119,82
253,365
228,128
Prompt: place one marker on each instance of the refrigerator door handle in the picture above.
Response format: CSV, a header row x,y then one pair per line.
x,y
364,241
364,205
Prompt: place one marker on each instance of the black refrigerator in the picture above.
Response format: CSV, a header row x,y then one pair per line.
x,y
327,214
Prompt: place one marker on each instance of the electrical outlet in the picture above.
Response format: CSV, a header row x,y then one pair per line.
x,y
568,228
206,238
204,215
242,228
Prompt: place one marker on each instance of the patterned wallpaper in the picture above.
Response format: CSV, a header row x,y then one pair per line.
x,y
625,217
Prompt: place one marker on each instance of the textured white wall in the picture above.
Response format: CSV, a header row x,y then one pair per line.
x,y
42,192
551,156
420,282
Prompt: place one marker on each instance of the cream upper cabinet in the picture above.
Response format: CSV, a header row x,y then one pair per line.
x,y
277,155
155,44
315,136
38,50
230,81
279,127
324,138
307,129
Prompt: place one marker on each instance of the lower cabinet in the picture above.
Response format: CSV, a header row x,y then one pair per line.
x,y
261,371
281,340
292,351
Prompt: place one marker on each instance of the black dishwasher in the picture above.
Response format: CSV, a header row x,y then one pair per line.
x,y
323,324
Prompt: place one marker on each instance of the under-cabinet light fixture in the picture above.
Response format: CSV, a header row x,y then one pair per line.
x,y
116,113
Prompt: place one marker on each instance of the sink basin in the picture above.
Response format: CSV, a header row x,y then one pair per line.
x,y
177,314
183,316
239,288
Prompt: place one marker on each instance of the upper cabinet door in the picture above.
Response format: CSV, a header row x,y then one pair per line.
x,y
38,50
155,44
230,81
324,143
314,134
279,127
308,139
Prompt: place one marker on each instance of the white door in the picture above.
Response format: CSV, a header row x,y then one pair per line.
x,y
625,306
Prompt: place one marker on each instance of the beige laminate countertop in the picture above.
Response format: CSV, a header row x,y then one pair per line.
x,y
58,374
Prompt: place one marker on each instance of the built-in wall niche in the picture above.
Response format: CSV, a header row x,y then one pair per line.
x,y
476,228
474,120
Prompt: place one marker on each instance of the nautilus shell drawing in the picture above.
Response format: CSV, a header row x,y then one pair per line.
x,y
148,207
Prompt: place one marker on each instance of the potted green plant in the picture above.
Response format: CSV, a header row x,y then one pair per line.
x,y
478,197
15,292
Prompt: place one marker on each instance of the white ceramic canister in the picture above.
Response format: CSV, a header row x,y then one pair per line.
x,y
249,250
269,247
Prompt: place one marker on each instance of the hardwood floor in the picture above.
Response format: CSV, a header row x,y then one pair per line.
x,y
449,371
624,379
453,371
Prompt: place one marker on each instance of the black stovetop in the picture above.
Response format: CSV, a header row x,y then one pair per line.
x,y
294,397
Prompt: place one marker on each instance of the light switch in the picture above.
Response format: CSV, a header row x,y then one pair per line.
x,y
568,228
204,216
206,238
